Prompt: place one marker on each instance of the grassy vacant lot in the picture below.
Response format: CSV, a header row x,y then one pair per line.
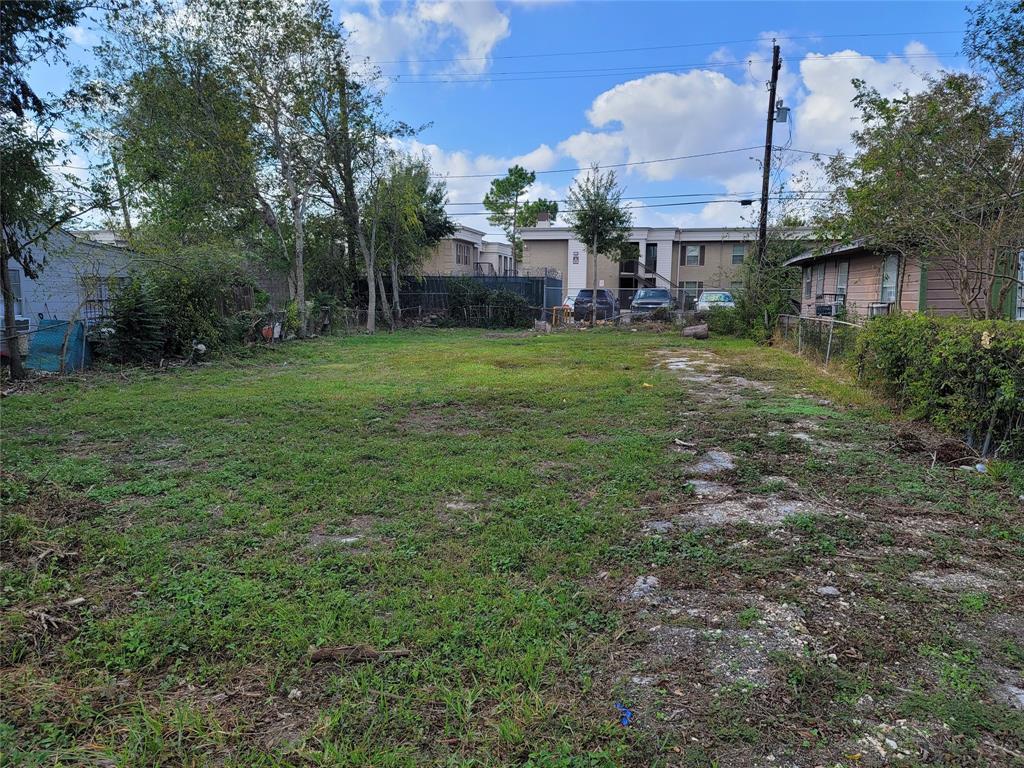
x,y
510,520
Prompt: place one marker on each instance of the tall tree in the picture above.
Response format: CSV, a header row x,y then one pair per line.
x,y
505,206
938,178
597,217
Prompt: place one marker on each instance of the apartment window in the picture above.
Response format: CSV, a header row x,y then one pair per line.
x,y
463,253
842,277
651,257
739,252
890,278
807,282
819,279
694,255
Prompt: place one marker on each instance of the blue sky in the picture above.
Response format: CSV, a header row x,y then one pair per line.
x,y
675,93
557,85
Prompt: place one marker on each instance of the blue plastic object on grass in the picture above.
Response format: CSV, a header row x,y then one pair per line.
x,y
625,714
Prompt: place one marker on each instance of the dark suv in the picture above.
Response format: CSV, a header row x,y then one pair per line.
x,y
607,304
646,300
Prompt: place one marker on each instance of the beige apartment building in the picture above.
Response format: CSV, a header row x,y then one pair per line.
x,y
686,261
467,253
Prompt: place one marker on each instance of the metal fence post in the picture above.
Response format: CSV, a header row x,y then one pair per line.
x,y
799,335
828,349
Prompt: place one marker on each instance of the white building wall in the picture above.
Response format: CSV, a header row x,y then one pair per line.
x,y
576,279
664,263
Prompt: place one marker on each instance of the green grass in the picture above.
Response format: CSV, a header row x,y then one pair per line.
x,y
491,478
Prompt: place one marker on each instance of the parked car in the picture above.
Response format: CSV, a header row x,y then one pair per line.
x,y
646,300
607,304
709,299
570,300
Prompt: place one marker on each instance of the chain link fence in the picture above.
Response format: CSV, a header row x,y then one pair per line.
x,y
823,339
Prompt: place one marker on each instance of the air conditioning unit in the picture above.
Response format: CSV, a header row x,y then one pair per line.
x,y
879,309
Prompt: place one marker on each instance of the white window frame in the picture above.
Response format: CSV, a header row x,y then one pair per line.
x,y
890,282
739,250
842,277
694,252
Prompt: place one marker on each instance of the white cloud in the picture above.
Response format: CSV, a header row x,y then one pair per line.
x,y
82,36
413,31
702,111
472,190
826,116
668,115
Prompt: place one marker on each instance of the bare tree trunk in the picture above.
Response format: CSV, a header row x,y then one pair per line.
x,y
396,302
116,166
371,289
384,301
300,267
11,331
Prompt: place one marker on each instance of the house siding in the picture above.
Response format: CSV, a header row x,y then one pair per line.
x,y
942,295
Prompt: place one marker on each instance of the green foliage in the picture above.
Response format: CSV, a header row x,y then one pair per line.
x,y
138,323
725,320
963,375
502,200
171,304
596,214
471,303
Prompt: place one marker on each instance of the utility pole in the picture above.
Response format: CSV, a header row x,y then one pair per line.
x,y
762,229
515,230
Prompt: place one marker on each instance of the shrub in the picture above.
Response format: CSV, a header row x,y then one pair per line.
x,y
137,322
725,320
963,375
470,303
164,308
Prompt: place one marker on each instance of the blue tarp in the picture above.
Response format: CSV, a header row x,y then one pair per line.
x,y
45,346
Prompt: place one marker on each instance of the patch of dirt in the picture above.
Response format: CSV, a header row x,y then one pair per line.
x,y
953,581
710,489
754,510
713,463
434,418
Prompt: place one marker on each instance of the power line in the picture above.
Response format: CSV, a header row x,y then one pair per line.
x,y
635,162
663,205
613,165
646,197
540,74
648,48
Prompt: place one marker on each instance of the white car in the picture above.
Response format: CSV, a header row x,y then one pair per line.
x,y
570,300
709,299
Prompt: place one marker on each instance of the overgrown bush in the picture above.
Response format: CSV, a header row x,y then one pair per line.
x,y
963,375
471,303
725,321
189,298
135,333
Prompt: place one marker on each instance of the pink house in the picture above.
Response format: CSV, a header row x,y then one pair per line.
x,y
862,283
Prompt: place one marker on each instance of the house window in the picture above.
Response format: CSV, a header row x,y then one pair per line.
x,y
807,282
890,278
463,253
819,279
842,277
739,252
651,257
692,256
16,289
